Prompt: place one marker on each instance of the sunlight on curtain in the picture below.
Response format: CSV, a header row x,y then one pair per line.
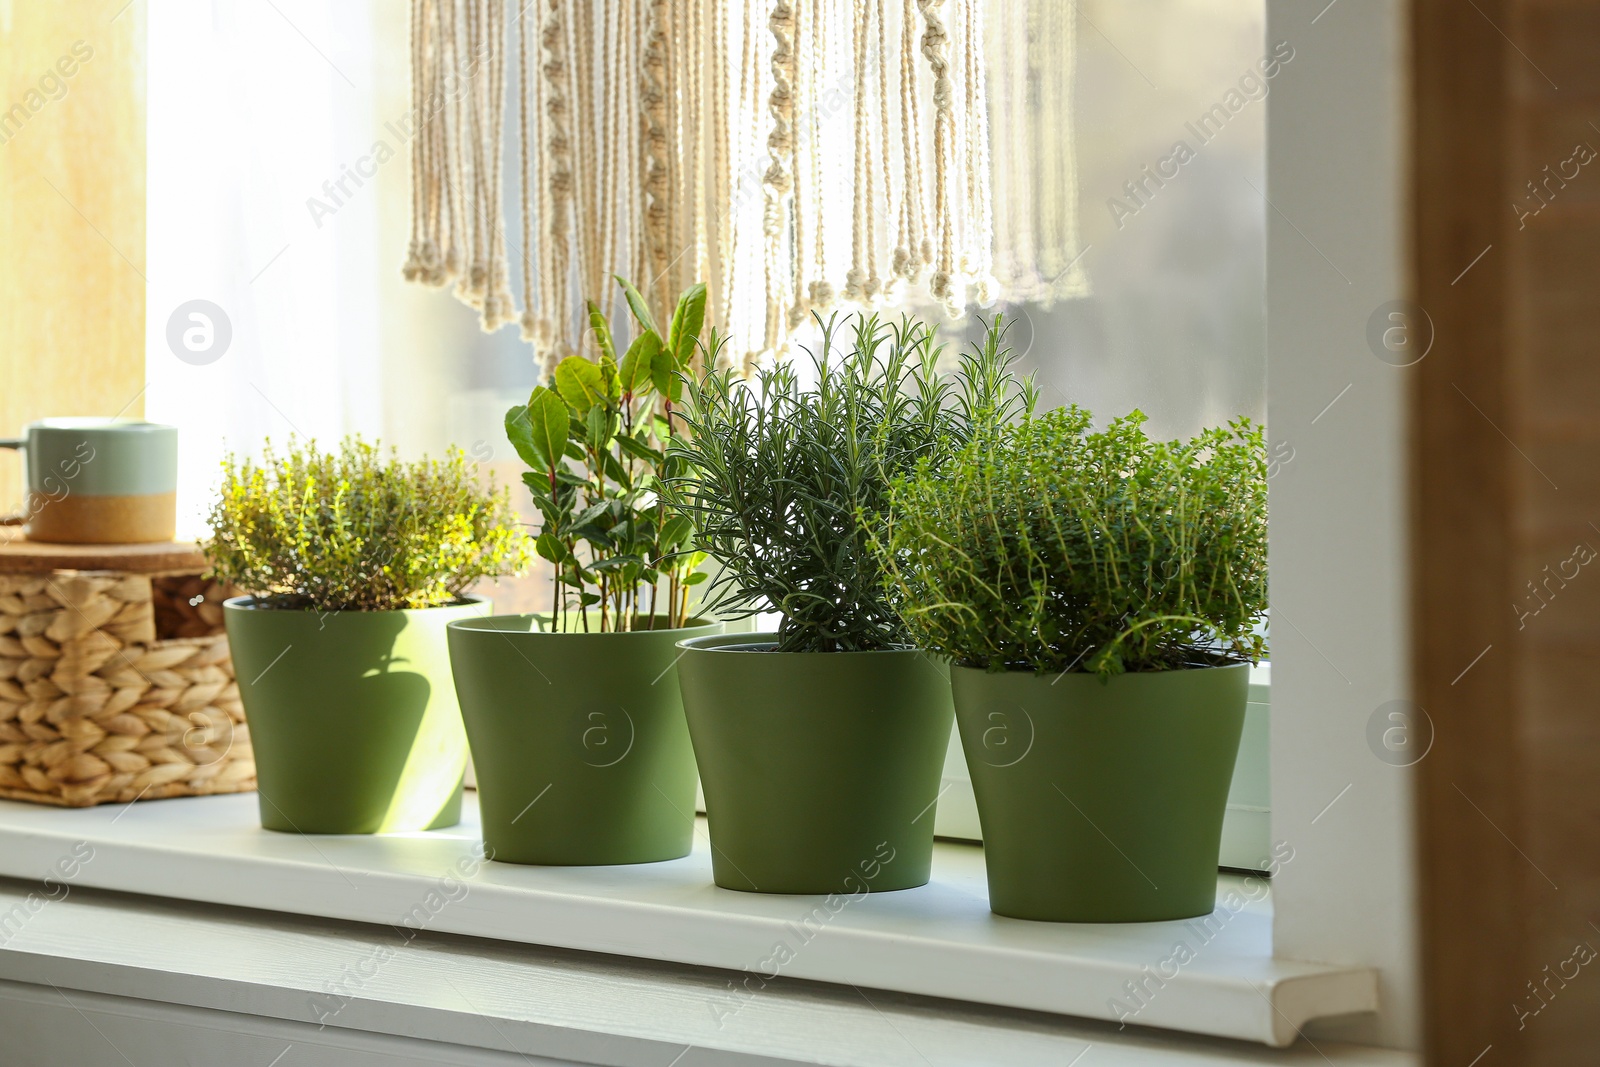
x,y
278,194
245,122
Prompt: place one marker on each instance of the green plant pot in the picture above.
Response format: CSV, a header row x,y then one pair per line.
x,y
578,740
1101,801
352,716
820,769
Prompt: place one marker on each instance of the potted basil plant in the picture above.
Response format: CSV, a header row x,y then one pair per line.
x,y
820,744
354,562
576,725
1098,595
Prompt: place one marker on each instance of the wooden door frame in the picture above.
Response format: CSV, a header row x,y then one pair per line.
x,y
1462,539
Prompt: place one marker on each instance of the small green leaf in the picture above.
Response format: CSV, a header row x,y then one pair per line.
x,y
664,372
612,563
599,427
602,334
638,449
519,430
696,578
637,361
567,478
687,320
580,384
675,531
548,422
637,305
596,539
550,547
615,471
610,381
593,514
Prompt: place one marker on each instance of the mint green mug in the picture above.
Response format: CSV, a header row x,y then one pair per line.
x,y
99,481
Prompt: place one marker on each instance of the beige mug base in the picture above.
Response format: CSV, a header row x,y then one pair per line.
x,y
79,519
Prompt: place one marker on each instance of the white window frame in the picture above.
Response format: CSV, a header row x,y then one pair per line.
x,y
1337,126
1337,248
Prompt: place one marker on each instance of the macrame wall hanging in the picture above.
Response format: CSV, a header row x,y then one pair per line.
x,y
795,155
1032,48
458,98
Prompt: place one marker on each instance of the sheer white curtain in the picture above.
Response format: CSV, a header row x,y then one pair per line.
x,y
279,191
278,173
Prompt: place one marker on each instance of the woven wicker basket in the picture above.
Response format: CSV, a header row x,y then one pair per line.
x,y
95,707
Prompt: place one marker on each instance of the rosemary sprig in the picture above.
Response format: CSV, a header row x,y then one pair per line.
x,y
786,482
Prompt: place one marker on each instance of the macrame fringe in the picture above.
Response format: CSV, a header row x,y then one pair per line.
x,y
458,101
1032,53
795,155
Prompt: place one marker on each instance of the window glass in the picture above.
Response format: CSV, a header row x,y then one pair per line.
x,y
279,188
1170,128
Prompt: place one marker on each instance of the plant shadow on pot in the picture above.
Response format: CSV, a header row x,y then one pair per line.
x,y
352,716
821,770
1101,800
578,739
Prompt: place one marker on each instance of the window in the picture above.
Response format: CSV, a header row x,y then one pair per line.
x,y
259,118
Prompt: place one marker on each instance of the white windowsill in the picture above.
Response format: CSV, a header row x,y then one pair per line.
x,y
177,982
939,940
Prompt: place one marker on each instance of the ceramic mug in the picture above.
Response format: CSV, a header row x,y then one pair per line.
x,y
99,481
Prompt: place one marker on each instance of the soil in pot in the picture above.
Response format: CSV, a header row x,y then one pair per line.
x,y
578,739
352,716
1101,800
820,769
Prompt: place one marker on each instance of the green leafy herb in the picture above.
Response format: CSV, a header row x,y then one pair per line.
x,y
354,530
595,445
785,481
1054,548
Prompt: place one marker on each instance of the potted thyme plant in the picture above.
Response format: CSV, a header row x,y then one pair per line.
x,y
820,745
355,561
576,725
1098,595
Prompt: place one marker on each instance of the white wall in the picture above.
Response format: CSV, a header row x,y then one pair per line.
x,y
1336,250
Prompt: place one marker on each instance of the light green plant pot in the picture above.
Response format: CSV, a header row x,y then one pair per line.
x,y
820,769
352,716
1101,801
578,740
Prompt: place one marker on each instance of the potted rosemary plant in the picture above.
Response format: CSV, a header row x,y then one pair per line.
x,y
355,562
820,745
1098,595
576,725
